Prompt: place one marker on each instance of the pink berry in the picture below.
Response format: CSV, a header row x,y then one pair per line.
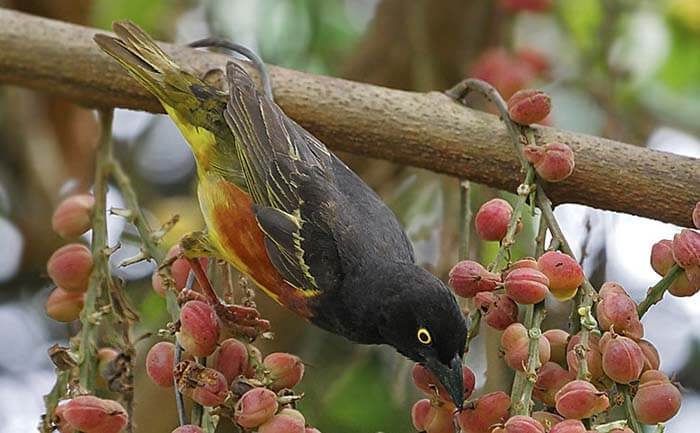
x,y
686,248
231,359
537,60
310,429
179,270
662,256
526,285
652,360
623,359
515,341
498,311
580,399
255,407
683,286
189,428
491,221
558,340
657,399
594,358
523,424
286,370
468,278
550,379
564,273
547,419
287,421
90,414
64,306
506,73
421,413
199,328
528,106
70,266
204,385
553,162
428,383
569,426
72,216
479,416
617,311
160,362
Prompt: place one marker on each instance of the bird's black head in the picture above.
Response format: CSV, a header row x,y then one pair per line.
x,y
422,320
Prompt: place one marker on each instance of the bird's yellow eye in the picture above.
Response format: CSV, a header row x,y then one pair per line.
x,y
424,336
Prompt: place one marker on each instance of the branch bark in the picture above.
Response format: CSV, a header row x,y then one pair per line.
x,y
426,130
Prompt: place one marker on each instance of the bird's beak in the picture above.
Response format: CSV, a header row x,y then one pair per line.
x,y
451,378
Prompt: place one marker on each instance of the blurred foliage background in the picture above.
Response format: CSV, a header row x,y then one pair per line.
x,y
624,69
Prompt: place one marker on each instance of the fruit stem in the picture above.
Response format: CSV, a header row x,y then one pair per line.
x,y
521,396
655,293
634,423
90,316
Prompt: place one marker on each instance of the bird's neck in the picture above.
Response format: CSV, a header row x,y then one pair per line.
x,y
355,310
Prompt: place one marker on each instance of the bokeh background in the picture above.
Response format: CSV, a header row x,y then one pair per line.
x,y
624,69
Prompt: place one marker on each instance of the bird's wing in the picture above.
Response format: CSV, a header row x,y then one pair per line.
x,y
289,176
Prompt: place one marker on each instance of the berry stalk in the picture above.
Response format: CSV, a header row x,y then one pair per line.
x,y
657,292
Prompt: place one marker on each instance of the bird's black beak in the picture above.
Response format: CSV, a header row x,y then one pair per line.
x,y
451,378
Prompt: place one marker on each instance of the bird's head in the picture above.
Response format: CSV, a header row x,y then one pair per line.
x,y
423,321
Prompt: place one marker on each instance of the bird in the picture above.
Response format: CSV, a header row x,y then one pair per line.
x,y
290,215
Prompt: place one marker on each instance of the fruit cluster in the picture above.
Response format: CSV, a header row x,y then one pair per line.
x,y
616,357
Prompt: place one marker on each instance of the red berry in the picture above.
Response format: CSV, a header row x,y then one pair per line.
x,y
594,358
90,414
550,379
623,360
64,306
70,266
528,106
657,399
617,311
231,359
526,285
683,287
179,270
468,278
287,421
527,262
428,383
199,328
536,59
696,215
662,256
491,221
569,426
72,216
652,361
547,419
286,370
160,362
311,430
580,399
686,248
189,428
504,72
564,273
526,5
553,162
558,340
421,414
498,311
255,407
488,410
515,341
523,424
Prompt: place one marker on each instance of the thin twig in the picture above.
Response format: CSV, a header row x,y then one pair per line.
x,y
632,420
656,293
522,398
465,217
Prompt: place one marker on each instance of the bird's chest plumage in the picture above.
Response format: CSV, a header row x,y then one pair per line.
x,y
236,235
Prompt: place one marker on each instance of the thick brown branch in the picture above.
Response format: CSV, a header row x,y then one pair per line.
x,y
420,129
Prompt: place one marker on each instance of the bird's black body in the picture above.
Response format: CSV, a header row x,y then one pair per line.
x,y
343,260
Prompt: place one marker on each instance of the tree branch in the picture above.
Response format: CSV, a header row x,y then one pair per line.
x,y
419,129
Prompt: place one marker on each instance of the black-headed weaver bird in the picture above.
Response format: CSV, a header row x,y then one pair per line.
x,y
289,214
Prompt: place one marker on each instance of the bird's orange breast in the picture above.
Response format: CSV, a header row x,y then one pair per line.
x,y
236,235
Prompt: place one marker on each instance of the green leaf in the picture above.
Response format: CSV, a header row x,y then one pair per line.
x,y
582,18
682,69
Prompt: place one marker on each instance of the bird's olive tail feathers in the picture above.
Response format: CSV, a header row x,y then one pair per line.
x,y
146,61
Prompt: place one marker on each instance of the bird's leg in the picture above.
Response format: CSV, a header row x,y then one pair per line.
x,y
245,320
